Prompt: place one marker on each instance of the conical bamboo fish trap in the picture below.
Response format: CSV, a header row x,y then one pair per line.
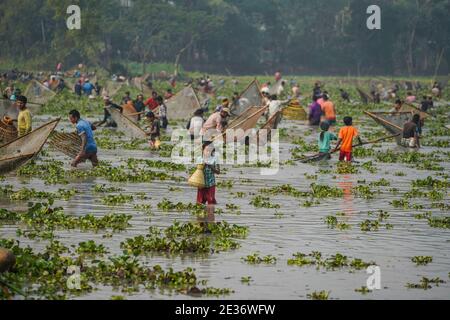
x,y
197,180
7,131
66,143
294,112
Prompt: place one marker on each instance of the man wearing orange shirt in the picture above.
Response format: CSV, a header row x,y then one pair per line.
x,y
346,136
328,110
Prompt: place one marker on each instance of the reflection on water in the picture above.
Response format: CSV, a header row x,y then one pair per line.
x,y
346,184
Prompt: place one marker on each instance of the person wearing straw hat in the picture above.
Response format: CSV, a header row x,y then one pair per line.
x,y
214,126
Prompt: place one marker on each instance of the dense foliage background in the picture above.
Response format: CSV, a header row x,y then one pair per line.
x,y
231,36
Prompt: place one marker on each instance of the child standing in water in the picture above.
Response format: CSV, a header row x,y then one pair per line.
x,y
346,136
153,130
325,138
207,195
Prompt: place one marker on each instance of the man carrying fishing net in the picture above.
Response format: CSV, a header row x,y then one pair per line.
x,y
85,130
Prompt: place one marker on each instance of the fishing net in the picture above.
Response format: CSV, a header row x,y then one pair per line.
x,y
387,125
182,105
18,151
398,119
365,98
66,143
126,125
245,122
38,93
112,87
8,108
249,98
277,88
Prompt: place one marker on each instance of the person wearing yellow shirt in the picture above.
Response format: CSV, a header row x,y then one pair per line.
x,y
24,122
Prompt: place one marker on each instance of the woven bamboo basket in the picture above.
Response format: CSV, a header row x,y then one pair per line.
x,y
197,179
7,132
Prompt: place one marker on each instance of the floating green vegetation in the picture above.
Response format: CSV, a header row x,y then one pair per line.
x,y
168,206
443,223
380,183
433,195
336,261
422,260
45,275
333,223
323,191
134,163
256,259
402,203
363,290
144,208
233,208
423,216
228,184
363,152
303,147
364,192
91,248
311,177
198,238
52,172
431,183
285,189
319,295
441,205
439,143
421,161
369,166
239,194
27,194
114,200
369,225
264,202
346,168
246,280
103,188
41,217
399,174
425,283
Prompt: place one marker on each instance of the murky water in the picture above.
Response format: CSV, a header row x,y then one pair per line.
x,y
279,232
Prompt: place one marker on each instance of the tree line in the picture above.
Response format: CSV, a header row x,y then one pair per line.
x,y
232,36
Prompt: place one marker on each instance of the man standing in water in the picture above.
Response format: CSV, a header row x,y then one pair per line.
x,y
24,121
88,150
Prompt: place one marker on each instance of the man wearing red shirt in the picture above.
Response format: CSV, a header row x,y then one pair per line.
x,y
151,103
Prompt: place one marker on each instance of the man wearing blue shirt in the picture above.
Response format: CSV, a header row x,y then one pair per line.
x,y
88,88
88,150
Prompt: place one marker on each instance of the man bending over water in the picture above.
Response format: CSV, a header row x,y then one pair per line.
x,y
88,150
